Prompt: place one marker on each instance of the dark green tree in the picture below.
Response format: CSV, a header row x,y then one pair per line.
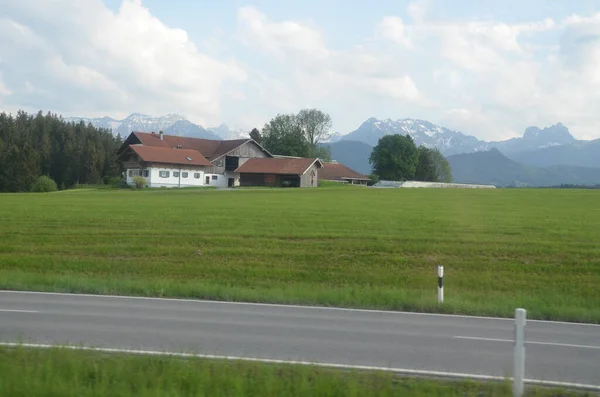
x,y
395,158
283,136
432,166
297,134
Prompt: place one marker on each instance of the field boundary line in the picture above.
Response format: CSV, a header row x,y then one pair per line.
x,y
291,306
400,371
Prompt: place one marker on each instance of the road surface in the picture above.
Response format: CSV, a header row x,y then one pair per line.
x,y
557,352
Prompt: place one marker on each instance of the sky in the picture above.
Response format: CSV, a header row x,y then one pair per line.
x,y
487,68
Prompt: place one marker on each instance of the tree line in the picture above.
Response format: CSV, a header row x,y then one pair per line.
x,y
71,153
46,145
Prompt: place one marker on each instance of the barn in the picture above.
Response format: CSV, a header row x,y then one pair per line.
x,y
175,161
280,172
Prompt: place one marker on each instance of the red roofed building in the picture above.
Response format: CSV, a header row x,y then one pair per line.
x,y
174,161
280,171
338,172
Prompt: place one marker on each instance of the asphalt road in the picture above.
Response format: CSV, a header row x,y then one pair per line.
x,y
554,351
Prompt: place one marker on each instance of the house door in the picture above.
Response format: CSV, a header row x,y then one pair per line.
x,y
230,182
207,182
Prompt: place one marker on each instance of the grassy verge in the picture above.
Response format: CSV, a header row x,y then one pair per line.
x,y
369,248
61,372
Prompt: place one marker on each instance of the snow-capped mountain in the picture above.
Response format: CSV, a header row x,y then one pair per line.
x,y
189,129
423,132
226,133
171,124
133,122
451,142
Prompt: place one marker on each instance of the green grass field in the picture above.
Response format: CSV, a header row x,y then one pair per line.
x,y
355,247
62,373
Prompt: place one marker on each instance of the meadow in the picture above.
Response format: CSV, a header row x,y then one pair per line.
x,y
61,372
351,247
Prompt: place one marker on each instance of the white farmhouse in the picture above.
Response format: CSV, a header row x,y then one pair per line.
x,y
175,161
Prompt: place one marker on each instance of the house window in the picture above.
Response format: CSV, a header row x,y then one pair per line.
x,y
176,174
146,173
163,174
215,177
184,174
196,175
130,173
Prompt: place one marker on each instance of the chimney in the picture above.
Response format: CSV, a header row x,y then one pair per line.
x,y
160,134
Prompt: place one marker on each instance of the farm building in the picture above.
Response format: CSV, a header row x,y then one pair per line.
x,y
174,161
280,171
438,185
338,172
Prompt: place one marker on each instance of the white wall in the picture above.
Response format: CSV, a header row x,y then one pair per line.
x,y
176,181
154,179
222,179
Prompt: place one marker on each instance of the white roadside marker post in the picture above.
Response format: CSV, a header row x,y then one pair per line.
x,y
440,284
519,352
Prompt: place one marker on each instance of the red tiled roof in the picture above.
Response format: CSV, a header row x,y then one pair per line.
x,y
168,155
279,166
339,172
209,148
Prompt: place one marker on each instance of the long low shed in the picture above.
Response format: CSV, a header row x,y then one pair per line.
x,y
417,184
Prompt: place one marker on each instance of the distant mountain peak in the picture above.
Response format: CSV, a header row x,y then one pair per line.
x,y
557,134
423,133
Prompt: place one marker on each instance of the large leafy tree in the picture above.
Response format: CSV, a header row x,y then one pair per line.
x,y
432,166
298,134
395,158
315,125
283,136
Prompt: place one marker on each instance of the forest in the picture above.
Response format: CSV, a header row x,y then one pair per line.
x,y
46,145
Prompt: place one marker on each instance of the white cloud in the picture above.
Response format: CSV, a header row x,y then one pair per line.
x,y
315,72
89,59
486,77
418,10
497,78
282,38
393,28
580,48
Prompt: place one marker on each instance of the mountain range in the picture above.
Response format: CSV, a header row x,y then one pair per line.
x,y
171,124
451,142
542,156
